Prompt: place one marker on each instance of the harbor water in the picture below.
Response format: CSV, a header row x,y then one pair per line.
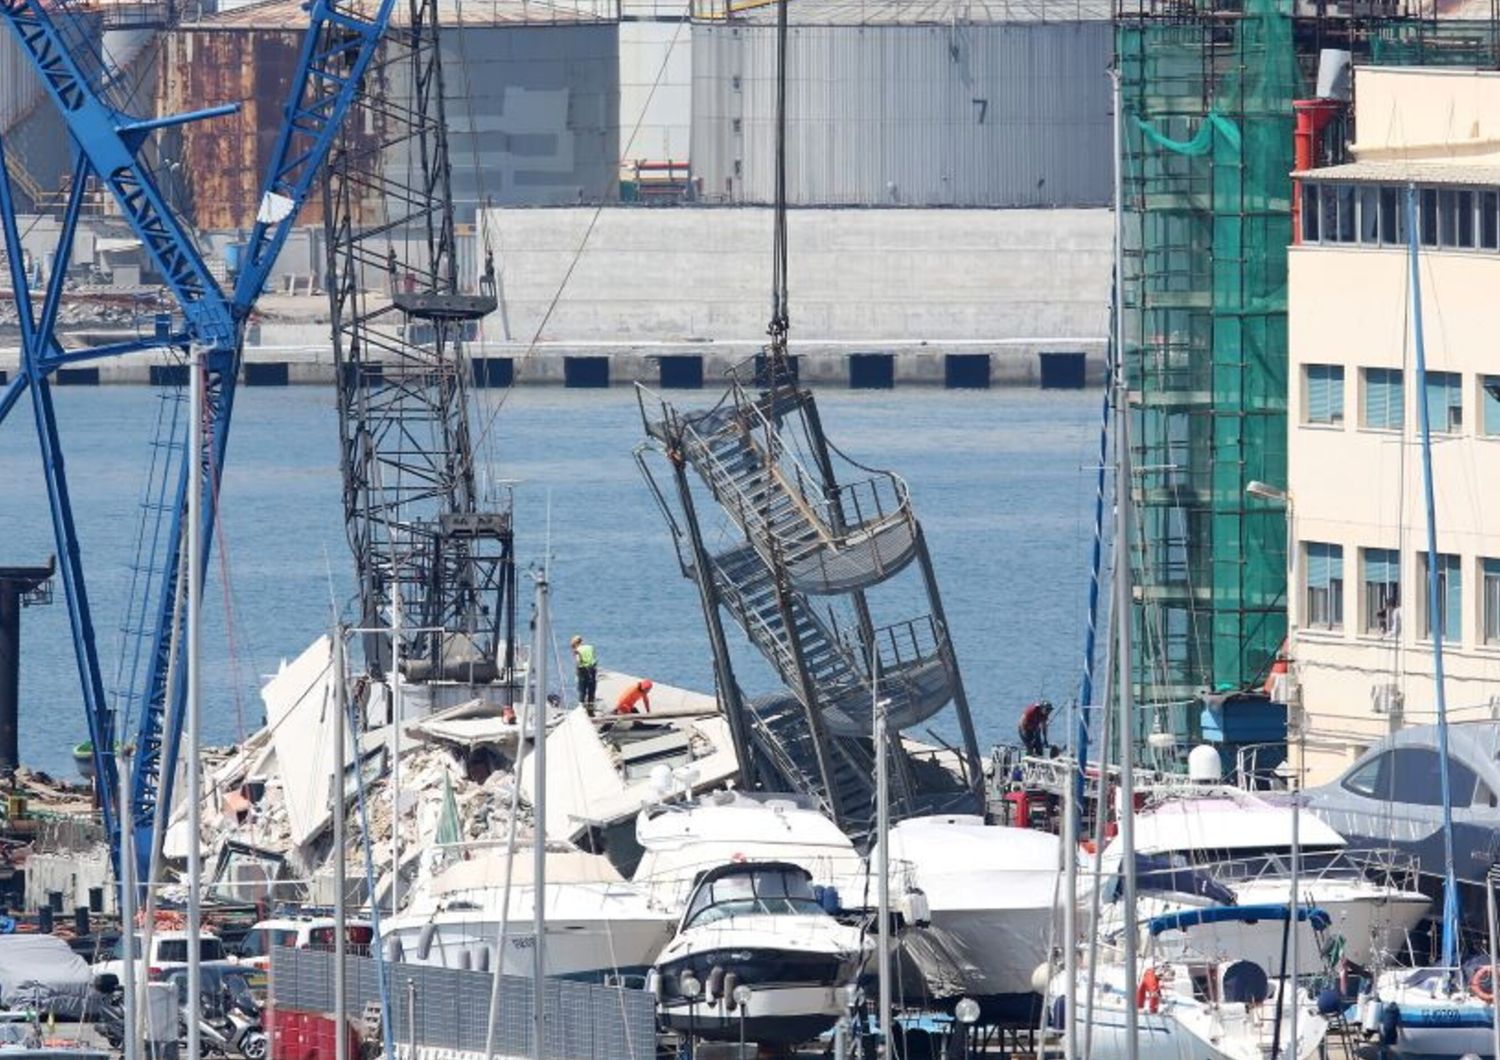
x,y
1003,481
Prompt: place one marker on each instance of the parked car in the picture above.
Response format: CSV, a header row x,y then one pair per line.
x,y
169,949
300,932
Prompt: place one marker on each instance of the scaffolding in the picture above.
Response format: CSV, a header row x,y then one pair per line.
x,y
1207,104
1207,88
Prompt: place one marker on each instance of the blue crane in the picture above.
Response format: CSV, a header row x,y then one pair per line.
x,y
340,44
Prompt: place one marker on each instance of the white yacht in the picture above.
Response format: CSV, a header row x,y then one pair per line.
x,y
1241,843
990,894
680,840
1192,1006
756,955
598,926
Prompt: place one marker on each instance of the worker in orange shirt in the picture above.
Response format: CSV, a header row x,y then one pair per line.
x,y
640,692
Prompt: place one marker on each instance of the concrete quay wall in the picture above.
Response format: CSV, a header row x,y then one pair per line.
x,y
677,297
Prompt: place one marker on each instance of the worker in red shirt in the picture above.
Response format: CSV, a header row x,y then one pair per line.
x,y
636,693
1033,727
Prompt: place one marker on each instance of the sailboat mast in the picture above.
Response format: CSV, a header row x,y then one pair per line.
x,y
540,642
1122,604
883,847
1435,617
340,841
197,376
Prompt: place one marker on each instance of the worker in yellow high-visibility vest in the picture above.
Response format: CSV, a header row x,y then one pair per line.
x,y
587,664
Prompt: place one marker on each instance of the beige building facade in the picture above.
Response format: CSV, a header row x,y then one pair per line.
x,y
1362,661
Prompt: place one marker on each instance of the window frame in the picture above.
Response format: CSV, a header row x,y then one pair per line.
x,y
1373,604
1452,393
1452,570
1323,586
1388,377
1489,600
1487,417
1332,376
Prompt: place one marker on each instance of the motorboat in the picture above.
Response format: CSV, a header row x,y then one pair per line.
x,y
1236,848
1192,1006
680,840
757,957
990,894
1390,796
599,927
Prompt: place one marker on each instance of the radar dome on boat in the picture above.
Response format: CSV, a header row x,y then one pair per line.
x,y
1204,765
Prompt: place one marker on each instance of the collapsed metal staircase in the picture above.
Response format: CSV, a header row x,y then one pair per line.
x,y
807,549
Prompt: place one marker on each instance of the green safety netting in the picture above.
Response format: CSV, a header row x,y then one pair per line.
x,y
1208,221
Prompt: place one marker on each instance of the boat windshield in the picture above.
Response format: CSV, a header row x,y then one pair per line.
x,y
776,892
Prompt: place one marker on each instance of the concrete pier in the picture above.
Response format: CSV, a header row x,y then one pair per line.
x,y
676,297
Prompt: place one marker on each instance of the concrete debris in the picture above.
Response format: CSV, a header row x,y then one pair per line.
x,y
267,816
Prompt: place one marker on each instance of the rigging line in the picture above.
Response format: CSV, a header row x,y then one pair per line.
x,y
227,591
167,400
525,359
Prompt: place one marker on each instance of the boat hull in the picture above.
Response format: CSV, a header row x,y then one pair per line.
x,y
774,1015
592,950
1163,1038
1369,925
987,954
1428,1023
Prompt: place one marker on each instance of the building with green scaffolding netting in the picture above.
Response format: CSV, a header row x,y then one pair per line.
x,y
1207,104
1207,98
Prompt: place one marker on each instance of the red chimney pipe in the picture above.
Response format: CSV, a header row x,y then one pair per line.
x,y
1313,117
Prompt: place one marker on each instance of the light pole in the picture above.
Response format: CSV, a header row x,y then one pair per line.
x,y
691,988
966,1012
1277,495
741,998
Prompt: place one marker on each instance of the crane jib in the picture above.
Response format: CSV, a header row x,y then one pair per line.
x,y
336,52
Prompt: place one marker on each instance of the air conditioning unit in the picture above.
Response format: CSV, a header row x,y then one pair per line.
x,y
1386,698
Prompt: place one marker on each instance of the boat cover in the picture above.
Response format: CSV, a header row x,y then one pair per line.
x,y
40,972
1218,914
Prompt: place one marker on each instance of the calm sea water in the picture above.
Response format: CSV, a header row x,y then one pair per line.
x,y
1001,479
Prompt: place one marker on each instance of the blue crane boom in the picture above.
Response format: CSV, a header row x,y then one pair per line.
x,y
337,50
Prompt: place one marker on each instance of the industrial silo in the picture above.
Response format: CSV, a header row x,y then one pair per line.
x,y
901,104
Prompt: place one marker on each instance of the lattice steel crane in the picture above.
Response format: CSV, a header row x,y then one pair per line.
x,y
417,525
111,146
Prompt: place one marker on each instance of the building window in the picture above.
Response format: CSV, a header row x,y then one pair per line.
x,y
1325,585
1310,228
1427,216
1325,393
1489,220
1450,593
1369,214
1385,406
1381,574
1489,400
1392,223
1489,572
1329,197
1445,402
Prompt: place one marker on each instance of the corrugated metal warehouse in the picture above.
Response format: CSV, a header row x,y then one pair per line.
x,y
902,104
